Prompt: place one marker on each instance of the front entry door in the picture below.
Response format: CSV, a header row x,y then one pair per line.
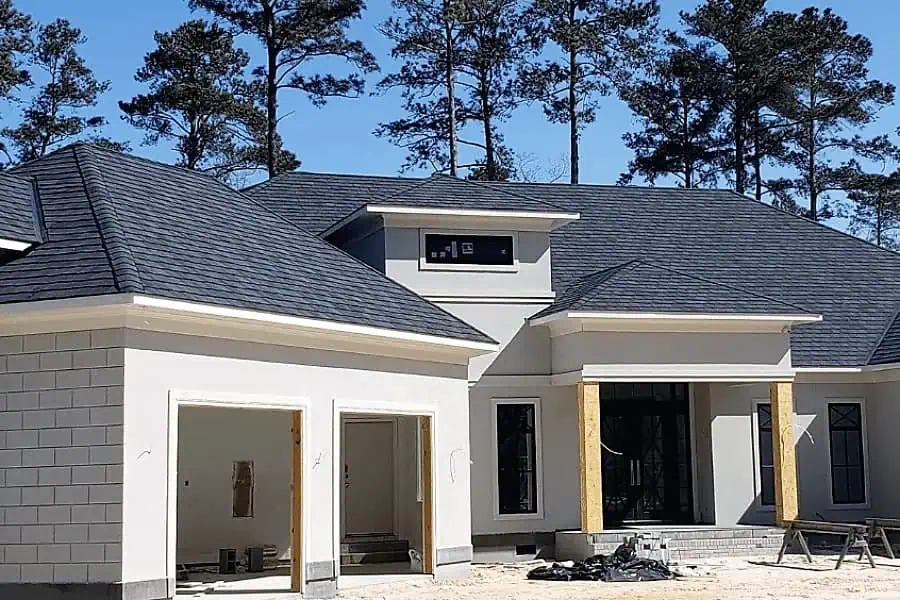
x,y
646,465
368,477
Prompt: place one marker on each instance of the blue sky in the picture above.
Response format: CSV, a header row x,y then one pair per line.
x,y
338,138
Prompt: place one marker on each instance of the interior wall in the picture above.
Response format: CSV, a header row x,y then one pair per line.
x,y
210,439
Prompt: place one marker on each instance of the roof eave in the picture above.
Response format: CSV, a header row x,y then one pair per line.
x,y
661,321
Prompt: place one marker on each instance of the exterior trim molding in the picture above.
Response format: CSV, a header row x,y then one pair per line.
x,y
507,381
668,373
565,322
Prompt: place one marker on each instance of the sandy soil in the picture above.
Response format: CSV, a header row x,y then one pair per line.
x,y
734,578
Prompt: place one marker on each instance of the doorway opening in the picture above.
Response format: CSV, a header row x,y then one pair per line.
x,y
646,465
385,494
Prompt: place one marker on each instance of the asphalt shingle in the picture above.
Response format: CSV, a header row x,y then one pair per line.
x,y
18,210
118,223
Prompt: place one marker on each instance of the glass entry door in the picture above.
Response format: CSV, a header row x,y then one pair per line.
x,y
646,464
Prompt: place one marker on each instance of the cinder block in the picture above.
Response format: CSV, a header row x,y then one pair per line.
x,y
34,496
53,553
76,378
11,534
40,380
11,382
73,417
55,438
37,573
107,415
10,574
11,420
107,338
92,396
21,554
89,474
10,458
90,513
22,476
22,439
88,436
115,357
114,434
104,573
21,515
38,419
112,552
102,532
114,474
37,534
87,553
56,399
54,515
105,494
10,496
70,533
87,359
107,376
23,401
113,513
69,573
44,342
56,361
106,455
11,344
115,395
71,494
20,363
73,340
72,456
55,476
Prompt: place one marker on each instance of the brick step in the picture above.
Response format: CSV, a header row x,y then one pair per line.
x,y
365,558
367,546
712,534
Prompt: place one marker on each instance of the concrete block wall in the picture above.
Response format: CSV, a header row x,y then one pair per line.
x,y
61,417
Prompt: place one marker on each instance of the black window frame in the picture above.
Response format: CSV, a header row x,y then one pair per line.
x,y
510,485
465,237
841,426
764,448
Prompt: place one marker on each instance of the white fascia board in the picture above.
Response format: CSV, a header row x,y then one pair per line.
x,y
315,326
638,316
382,209
826,370
7,244
642,373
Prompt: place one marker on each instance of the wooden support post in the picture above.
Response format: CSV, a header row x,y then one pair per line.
x,y
426,449
297,502
589,457
787,505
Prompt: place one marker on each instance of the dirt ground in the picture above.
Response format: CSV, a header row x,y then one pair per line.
x,y
734,579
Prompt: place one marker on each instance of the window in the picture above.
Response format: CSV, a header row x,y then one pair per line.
x,y
468,250
517,443
242,489
845,438
766,456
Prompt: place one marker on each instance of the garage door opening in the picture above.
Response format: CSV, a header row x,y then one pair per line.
x,y
236,469
386,522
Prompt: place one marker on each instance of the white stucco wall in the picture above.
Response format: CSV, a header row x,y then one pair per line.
x,y
884,447
319,382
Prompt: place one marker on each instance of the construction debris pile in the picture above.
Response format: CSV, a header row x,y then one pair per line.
x,y
621,565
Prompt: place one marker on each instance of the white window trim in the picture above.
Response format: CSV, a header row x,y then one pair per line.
x,y
538,460
424,265
757,461
865,449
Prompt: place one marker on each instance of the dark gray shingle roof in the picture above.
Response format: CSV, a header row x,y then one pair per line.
x,y
639,286
317,201
117,223
19,210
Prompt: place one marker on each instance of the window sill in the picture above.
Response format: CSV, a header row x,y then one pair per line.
x,y
520,517
425,266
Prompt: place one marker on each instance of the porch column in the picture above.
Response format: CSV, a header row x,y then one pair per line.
x,y
781,395
589,457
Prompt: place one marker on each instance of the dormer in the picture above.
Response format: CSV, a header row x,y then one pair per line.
x,y
20,216
449,238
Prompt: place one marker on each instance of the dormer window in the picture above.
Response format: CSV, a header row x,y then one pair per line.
x,y
469,251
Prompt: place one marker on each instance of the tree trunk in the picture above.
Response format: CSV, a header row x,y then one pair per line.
x,y
687,159
811,181
878,214
271,90
573,119
451,94
739,183
757,154
490,160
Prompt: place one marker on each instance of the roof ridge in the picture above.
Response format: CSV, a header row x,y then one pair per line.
x,y
890,324
112,235
483,184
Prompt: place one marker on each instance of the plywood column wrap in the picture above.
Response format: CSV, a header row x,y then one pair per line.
x,y
297,502
781,395
427,450
589,457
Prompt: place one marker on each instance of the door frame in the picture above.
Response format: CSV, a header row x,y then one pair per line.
x,y
395,467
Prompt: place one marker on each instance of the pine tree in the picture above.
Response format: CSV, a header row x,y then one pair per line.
x,y
199,99
875,213
598,45
54,115
679,108
15,44
294,34
832,96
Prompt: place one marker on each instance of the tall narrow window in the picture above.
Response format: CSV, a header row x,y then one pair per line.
x,y
242,489
517,460
845,435
766,457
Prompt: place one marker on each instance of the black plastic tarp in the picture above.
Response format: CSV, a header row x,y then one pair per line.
x,y
621,565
